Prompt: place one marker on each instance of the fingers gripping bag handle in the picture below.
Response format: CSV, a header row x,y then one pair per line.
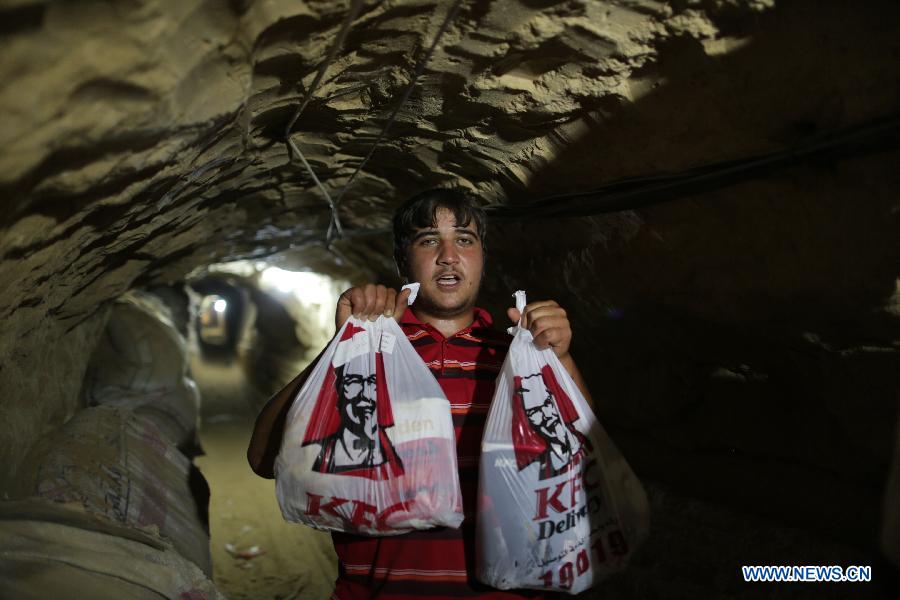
x,y
559,508
369,445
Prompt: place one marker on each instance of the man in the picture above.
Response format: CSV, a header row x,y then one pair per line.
x,y
538,423
439,238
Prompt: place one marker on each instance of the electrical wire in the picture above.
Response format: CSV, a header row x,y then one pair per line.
x,y
334,224
420,67
639,192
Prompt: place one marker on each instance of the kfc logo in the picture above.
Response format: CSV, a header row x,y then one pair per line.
x,y
351,412
542,428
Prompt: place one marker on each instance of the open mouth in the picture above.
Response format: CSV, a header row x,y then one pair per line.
x,y
448,280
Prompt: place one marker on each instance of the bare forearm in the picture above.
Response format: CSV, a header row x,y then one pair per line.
x,y
569,363
268,431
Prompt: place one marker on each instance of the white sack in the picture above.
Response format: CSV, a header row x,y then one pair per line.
x,y
558,506
119,466
60,552
369,445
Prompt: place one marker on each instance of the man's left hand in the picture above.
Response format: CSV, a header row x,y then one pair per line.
x,y
548,324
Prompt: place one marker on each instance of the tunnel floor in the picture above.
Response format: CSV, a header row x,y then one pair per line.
x,y
294,561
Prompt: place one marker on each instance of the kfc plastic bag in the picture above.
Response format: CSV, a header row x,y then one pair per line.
x,y
369,444
558,506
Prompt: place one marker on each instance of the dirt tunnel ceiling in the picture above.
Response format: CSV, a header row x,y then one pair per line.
x,y
142,140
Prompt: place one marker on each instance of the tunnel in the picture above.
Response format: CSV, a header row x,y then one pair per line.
x,y
709,188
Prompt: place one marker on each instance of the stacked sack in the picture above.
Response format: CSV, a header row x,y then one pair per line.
x,y
141,363
51,550
119,466
114,508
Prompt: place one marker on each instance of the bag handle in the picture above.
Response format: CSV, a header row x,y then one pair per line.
x,y
519,295
414,291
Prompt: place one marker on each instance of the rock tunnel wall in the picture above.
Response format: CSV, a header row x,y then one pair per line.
x,y
746,333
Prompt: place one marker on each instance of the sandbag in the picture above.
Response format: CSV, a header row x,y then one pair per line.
x,y
173,411
61,552
141,363
369,444
558,506
119,466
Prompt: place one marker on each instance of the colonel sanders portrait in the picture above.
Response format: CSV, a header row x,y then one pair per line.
x,y
543,430
352,412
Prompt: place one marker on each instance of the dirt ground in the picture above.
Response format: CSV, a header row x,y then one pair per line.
x,y
294,561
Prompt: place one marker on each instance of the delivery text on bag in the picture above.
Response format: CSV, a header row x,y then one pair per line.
x,y
544,432
559,508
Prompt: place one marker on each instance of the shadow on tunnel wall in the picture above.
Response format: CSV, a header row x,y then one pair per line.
x,y
738,342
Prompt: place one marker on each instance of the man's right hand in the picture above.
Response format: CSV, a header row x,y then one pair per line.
x,y
369,302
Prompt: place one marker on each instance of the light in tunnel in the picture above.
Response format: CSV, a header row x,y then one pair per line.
x,y
310,297
282,280
212,325
316,292
311,288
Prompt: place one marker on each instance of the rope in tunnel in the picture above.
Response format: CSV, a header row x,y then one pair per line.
x,y
334,223
420,67
334,226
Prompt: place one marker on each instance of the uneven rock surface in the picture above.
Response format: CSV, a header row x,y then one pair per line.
x,y
742,341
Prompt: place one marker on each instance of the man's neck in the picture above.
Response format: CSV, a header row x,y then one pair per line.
x,y
448,326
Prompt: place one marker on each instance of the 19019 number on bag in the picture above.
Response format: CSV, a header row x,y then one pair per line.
x,y
569,571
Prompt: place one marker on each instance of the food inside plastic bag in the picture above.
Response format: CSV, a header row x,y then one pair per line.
x,y
558,506
369,445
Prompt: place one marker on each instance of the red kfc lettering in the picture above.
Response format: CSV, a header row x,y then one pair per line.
x,y
360,510
576,487
362,515
315,506
544,501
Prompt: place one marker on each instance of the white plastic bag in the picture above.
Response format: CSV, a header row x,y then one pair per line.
x,y
558,506
369,445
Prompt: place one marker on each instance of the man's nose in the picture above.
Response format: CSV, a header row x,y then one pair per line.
x,y
448,255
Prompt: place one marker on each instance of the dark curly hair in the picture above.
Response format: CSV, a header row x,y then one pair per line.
x,y
420,212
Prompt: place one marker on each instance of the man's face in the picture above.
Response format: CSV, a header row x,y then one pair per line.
x,y
541,411
357,402
448,261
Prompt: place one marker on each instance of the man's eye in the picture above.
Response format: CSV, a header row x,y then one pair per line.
x,y
428,242
466,241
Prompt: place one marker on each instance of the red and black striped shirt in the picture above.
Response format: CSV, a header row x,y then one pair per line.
x,y
436,563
